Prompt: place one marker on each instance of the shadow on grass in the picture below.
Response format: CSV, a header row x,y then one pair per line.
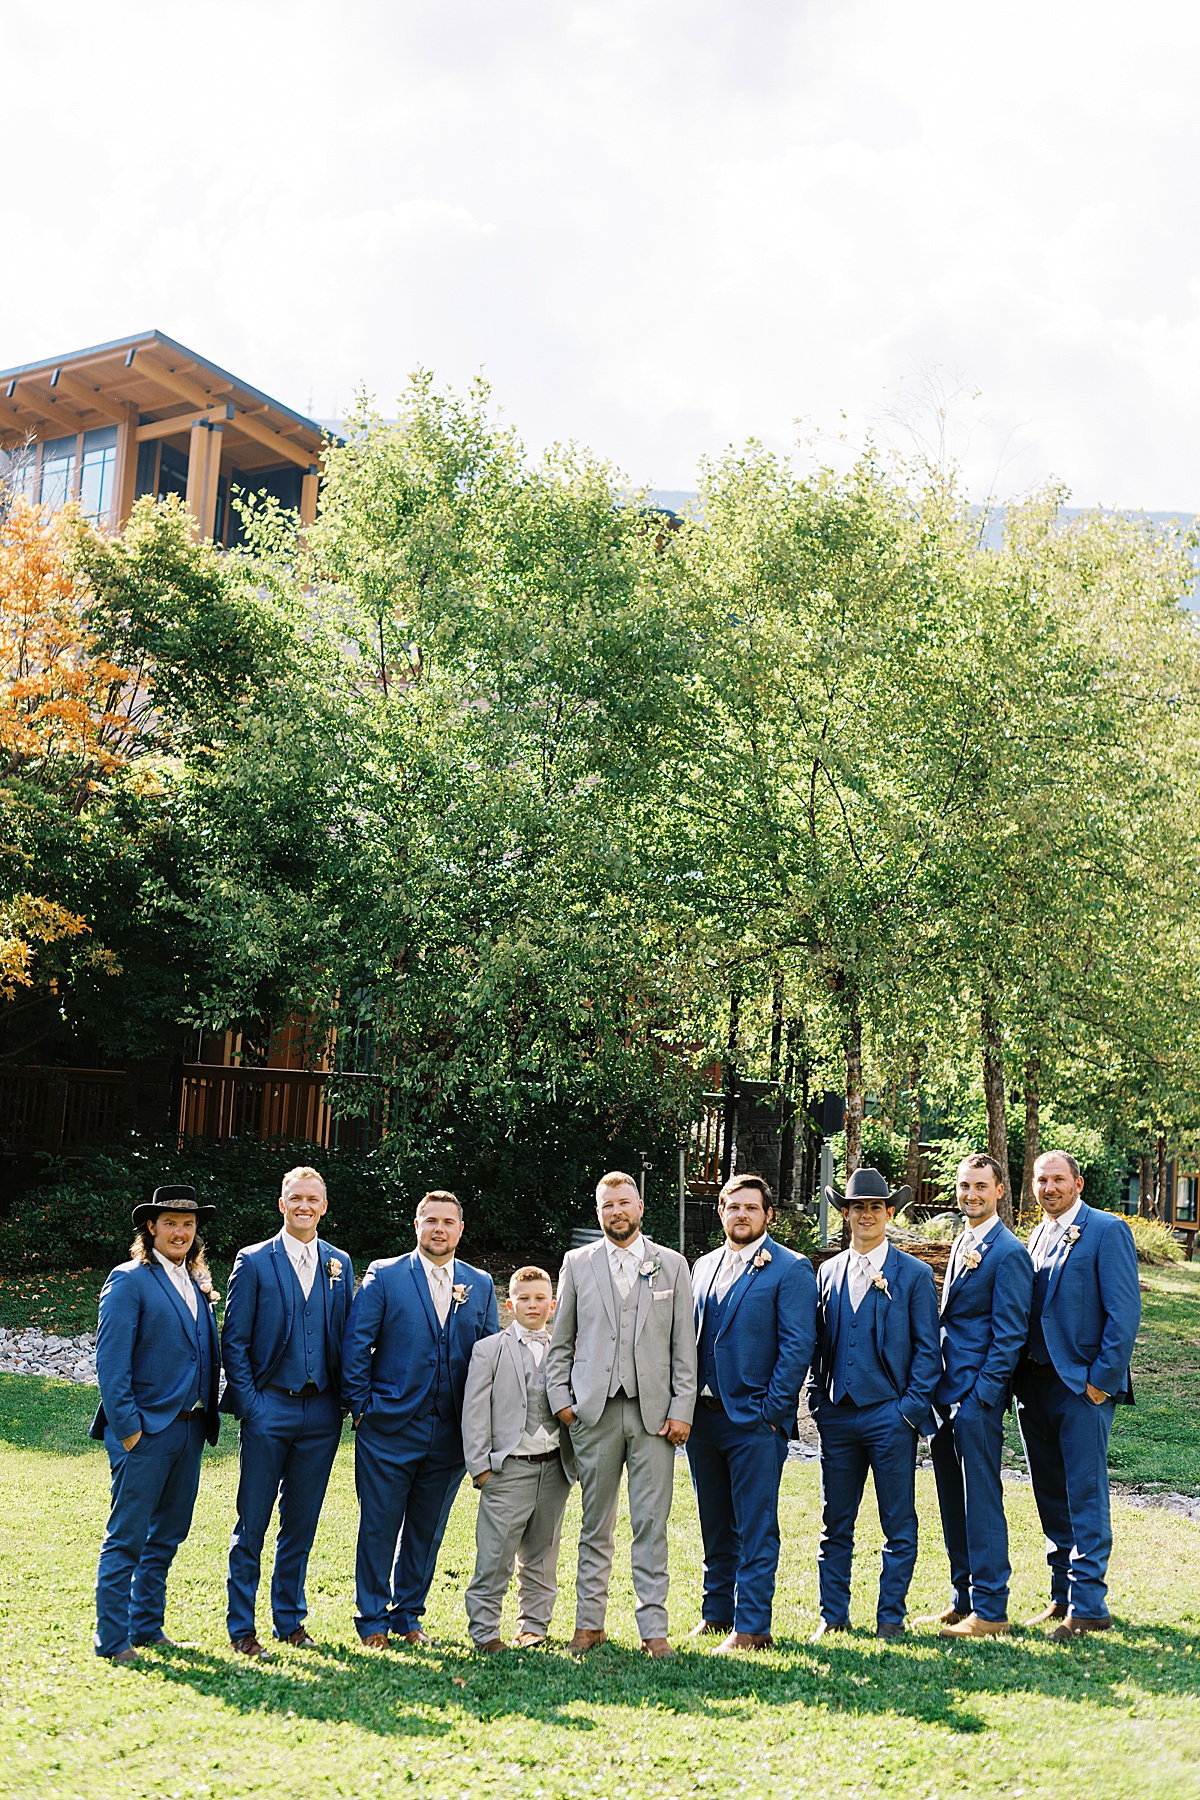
x,y
423,1693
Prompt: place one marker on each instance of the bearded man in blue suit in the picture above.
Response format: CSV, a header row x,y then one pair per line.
x,y
1087,1307
986,1297
281,1343
756,1323
158,1368
877,1364
405,1354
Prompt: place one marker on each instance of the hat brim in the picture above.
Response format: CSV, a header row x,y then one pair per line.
x,y
148,1210
899,1199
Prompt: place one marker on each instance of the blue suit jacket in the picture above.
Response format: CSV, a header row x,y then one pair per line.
x,y
765,1342
1094,1305
389,1350
985,1322
259,1307
907,1341
146,1352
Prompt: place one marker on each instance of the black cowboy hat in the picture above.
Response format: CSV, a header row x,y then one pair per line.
x,y
869,1184
172,1199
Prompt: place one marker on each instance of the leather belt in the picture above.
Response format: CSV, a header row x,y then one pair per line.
x,y
711,1402
545,1456
193,1412
1039,1370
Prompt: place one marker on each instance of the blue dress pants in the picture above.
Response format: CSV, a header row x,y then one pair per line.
x,y
406,1481
154,1489
285,1452
855,1439
966,1464
736,1470
1066,1446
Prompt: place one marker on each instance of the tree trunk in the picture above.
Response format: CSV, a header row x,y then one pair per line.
x,y
776,1023
993,1089
729,1134
912,1173
1160,1184
1146,1185
1032,1127
854,1092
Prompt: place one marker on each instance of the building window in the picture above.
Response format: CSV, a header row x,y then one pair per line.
x,y
97,473
1185,1200
58,472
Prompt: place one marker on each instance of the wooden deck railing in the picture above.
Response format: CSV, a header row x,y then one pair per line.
x,y
218,1102
58,1109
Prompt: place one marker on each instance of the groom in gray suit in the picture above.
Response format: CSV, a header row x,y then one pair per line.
x,y
621,1375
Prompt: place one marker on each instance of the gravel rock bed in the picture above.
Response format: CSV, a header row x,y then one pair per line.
x,y
32,1352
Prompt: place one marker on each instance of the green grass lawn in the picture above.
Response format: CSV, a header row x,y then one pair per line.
x,y
1113,1717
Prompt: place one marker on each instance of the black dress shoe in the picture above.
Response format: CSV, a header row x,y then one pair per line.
x,y
890,1631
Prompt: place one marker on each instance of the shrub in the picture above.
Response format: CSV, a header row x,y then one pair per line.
x,y
1155,1241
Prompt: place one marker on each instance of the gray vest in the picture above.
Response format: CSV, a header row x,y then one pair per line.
x,y
624,1371
537,1406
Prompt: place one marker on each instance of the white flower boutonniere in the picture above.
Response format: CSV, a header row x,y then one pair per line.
x,y
333,1269
650,1268
1074,1235
877,1281
970,1259
761,1260
459,1294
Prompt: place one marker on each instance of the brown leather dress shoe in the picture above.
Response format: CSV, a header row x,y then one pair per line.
x,y
1075,1625
375,1640
418,1638
657,1647
975,1627
827,1627
529,1640
583,1641
711,1628
1055,1610
491,1647
300,1640
893,1629
951,1616
745,1640
248,1645
125,1657
161,1642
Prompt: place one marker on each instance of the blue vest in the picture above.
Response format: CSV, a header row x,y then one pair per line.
x,y
304,1359
714,1318
1041,1287
200,1390
441,1393
857,1370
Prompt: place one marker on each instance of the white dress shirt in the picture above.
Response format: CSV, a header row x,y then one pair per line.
x,y
541,1441
180,1280
736,1261
303,1258
1053,1231
441,1285
864,1263
624,1261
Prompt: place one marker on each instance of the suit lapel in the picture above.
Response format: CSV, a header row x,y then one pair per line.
x,y
287,1283
982,1247
417,1274
889,1271
1060,1256
177,1300
741,1287
644,1290
602,1276
710,1275
510,1346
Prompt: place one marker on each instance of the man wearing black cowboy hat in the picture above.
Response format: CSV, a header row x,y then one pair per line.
x,y
877,1363
157,1364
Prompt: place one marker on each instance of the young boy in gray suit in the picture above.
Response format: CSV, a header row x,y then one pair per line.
x,y
520,1459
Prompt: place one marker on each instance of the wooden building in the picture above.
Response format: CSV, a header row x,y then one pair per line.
x,y
143,415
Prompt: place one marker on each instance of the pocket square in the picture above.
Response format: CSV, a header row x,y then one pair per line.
x,y
667,1294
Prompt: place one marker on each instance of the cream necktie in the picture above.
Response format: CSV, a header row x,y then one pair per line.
x,y
624,1272
441,1293
860,1280
727,1274
305,1266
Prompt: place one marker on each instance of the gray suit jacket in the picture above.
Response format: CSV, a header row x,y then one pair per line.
x,y
579,1365
494,1406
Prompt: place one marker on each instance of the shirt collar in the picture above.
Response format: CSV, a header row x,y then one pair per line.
x,y
876,1257
632,1248
526,1336
437,1270
1065,1220
747,1252
176,1271
979,1232
296,1249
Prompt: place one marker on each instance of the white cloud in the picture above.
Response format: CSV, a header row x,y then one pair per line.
x,y
658,226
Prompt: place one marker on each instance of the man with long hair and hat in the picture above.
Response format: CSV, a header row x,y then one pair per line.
x,y
877,1363
158,1365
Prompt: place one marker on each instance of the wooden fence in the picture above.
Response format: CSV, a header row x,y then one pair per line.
x,y
59,1109
217,1102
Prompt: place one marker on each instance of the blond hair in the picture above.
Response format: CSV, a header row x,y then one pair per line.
x,y
529,1273
614,1179
301,1173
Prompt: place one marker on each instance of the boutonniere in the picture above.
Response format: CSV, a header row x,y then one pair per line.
x,y
1073,1236
761,1260
458,1294
877,1281
970,1259
333,1269
650,1268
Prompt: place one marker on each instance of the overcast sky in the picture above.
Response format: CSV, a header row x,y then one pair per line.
x,y
658,226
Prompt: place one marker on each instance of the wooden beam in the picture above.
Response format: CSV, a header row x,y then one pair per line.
x,y
127,462
308,494
79,392
204,466
188,389
63,415
161,428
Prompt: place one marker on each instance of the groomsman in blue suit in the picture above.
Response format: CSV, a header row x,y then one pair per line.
x,y
877,1364
986,1298
405,1355
1075,1373
756,1323
157,1365
282,1348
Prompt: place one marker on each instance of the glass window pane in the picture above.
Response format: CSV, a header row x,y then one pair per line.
x,y
96,478
1185,1200
58,471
